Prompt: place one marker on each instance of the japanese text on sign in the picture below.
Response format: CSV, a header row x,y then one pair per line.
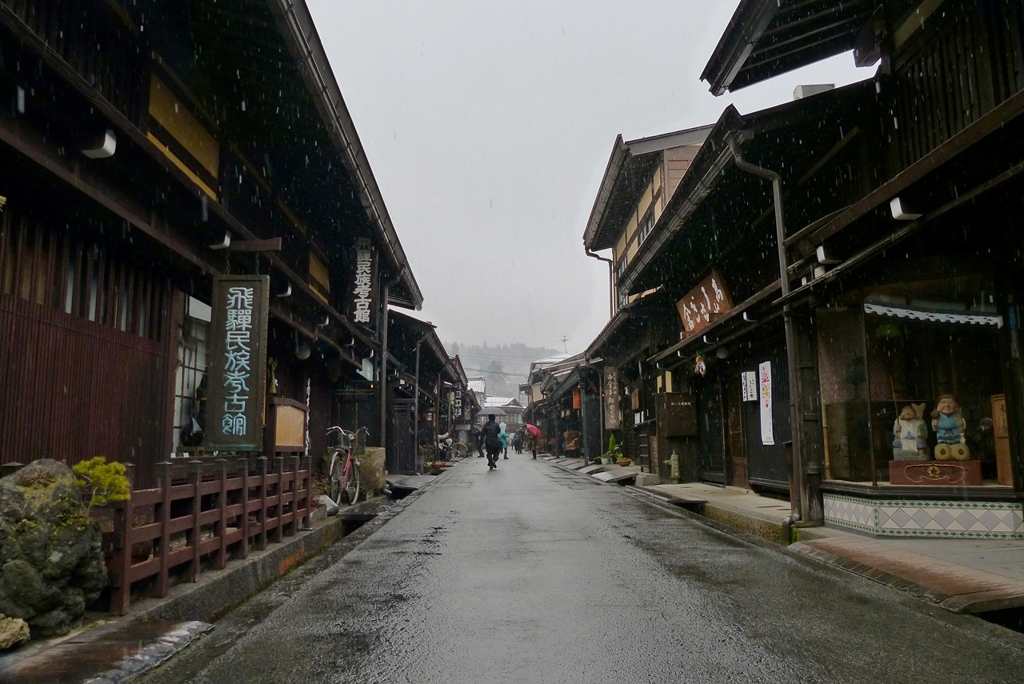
x,y
237,356
704,303
764,371
364,286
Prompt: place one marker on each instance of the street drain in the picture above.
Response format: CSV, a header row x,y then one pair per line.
x,y
351,523
1011,618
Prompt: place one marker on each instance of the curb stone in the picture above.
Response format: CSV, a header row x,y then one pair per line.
x,y
151,656
816,558
194,606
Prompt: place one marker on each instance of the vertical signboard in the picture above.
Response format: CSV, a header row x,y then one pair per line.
x,y
364,295
764,372
237,363
748,383
612,415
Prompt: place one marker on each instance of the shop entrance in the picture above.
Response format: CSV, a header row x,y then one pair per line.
x,y
735,436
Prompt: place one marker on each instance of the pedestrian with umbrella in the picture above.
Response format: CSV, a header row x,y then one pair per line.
x,y
535,436
492,443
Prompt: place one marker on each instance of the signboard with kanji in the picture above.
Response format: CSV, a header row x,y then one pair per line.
x,y
237,363
612,412
704,303
364,292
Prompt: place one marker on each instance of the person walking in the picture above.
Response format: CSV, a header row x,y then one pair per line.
x,y
478,437
489,434
517,442
504,443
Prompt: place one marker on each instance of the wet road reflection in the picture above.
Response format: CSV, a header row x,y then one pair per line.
x,y
533,574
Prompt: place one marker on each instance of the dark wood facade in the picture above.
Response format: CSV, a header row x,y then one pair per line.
x,y
898,201
227,122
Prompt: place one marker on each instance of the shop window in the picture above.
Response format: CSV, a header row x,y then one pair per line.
x,y
898,349
189,387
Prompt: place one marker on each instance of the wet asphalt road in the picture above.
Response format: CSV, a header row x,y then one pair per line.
x,y
533,574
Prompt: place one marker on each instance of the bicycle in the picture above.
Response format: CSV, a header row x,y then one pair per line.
x,y
446,448
344,471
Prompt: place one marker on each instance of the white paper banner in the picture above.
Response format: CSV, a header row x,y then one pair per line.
x,y
764,373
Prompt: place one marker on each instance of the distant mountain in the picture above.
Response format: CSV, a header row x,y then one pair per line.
x,y
504,366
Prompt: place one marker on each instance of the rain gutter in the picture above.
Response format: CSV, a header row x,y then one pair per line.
x,y
611,283
799,504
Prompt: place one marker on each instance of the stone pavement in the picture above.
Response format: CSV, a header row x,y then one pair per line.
x,y
960,575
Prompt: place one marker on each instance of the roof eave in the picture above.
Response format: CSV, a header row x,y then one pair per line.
x,y
300,34
745,28
611,175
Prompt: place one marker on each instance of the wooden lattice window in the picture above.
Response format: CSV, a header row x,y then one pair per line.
x,y
49,265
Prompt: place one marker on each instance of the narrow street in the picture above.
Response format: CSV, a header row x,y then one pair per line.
x,y
533,574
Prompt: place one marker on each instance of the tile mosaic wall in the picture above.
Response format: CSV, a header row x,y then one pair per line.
x,y
951,519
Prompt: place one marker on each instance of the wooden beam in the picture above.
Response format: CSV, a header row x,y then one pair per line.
x,y
88,91
27,143
962,141
271,245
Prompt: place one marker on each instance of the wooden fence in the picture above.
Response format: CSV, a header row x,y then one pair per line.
x,y
201,514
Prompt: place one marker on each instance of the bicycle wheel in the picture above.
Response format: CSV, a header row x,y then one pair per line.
x,y
336,484
350,484
460,449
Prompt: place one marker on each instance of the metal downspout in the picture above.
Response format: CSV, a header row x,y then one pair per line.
x,y
416,407
611,283
798,497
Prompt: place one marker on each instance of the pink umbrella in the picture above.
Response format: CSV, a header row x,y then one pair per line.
x,y
534,430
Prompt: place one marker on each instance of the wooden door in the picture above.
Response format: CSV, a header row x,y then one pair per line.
x,y
735,437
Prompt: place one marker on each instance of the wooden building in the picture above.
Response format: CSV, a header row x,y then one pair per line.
x,y
866,242
636,192
147,148
427,394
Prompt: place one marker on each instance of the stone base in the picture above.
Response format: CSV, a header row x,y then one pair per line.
x,y
941,473
942,519
647,480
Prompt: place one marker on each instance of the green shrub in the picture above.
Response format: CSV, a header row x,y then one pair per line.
x,y
103,482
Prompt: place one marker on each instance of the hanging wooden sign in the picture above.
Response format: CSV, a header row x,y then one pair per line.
x,y
704,303
238,359
612,411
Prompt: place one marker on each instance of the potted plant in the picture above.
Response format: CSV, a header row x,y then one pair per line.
x,y
614,453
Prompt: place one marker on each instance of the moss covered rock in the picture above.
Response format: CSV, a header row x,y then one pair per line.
x,y
51,558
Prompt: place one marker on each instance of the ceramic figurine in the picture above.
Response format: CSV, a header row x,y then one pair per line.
x,y
949,425
910,435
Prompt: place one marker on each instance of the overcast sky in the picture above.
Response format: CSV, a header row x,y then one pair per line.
x,y
488,126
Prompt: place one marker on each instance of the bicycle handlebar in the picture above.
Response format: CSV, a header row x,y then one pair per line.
x,y
348,435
